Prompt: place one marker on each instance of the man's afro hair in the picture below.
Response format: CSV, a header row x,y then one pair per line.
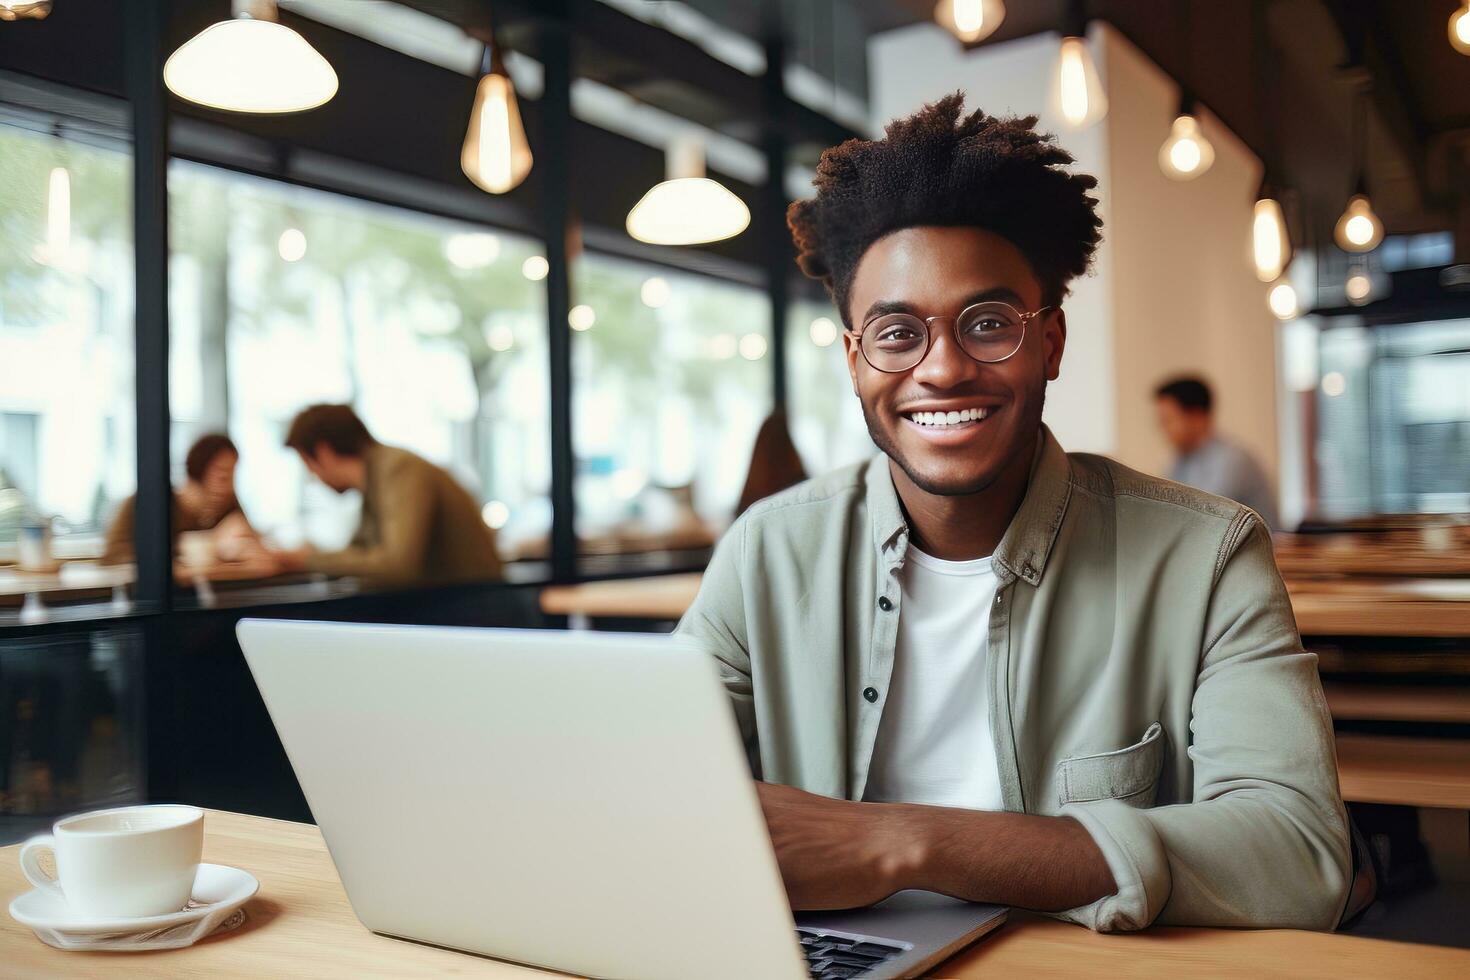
x,y
936,168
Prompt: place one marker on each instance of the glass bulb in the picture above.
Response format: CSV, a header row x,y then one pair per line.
x,y
970,20
687,211
823,331
1460,29
250,66
1077,93
1358,230
496,155
535,268
18,9
1186,153
1359,288
1282,300
1270,245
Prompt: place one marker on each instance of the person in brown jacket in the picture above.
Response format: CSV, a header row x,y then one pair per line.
x,y
418,526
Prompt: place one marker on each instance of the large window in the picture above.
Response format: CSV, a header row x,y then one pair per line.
x,y
66,338
826,418
433,330
671,380
1394,410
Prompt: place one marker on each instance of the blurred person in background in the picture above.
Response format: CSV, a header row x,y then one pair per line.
x,y
1207,460
774,463
205,504
418,525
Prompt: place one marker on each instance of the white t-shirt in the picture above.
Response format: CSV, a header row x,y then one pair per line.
x,y
934,744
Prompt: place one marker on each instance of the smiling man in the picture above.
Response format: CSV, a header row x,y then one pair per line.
x,y
982,666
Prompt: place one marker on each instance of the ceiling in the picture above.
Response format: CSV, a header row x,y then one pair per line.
x,y
1282,74
1279,74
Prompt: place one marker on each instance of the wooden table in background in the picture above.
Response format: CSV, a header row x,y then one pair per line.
x,y
301,925
664,597
1375,606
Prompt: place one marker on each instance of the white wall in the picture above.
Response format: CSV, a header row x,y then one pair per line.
x,y
1172,288
922,63
1185,296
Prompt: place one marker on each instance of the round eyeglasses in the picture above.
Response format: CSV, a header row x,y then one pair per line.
x,y
987,332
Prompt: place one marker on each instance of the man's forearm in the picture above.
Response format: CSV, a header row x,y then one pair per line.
x,y
839,854
1043,863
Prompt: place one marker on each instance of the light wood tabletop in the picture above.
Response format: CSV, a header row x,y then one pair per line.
x,y
301,925
655,597
1337,607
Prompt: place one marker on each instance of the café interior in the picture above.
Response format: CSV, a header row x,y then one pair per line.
x,y
607,365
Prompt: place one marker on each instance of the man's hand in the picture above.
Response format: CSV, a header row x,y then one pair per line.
x,y
293,560
835,854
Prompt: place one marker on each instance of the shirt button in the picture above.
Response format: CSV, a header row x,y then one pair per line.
x,y
870,694
885,604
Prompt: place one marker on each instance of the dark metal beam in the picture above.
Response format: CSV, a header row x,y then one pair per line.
x,y
558,222
776,245
146,28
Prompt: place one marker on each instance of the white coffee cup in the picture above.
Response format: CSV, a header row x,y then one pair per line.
x,y
126,862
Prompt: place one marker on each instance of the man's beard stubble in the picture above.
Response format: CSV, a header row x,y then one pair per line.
x,y
880,438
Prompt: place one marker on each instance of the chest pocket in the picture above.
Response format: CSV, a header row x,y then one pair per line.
x,y
1130,775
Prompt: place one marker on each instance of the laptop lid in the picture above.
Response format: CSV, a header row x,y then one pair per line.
x,y
572,800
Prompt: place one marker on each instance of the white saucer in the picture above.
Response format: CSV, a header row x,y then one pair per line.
x,y
219,892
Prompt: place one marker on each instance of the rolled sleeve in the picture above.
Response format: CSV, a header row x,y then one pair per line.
x,y
1137,860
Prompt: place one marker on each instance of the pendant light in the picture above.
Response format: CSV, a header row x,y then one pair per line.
x,y
1359,228
687,208
250,63
1270,240
24,9
1186,154
1359,284
1270,244
1077,97
972,21
496,154
1460,29
1282,300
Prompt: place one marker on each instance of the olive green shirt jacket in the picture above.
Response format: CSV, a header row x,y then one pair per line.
x,y
1146,678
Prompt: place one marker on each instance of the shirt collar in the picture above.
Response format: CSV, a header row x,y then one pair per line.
x,y
1027,543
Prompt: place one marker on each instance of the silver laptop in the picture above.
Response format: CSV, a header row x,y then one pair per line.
x,y
577,801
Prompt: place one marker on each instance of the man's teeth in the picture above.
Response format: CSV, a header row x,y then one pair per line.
x,y
949,418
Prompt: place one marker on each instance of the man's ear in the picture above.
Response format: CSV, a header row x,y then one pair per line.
x,y
851,348
1054,342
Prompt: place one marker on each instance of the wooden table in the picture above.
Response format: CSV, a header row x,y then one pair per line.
x,y
301,925
1404,771
1423,551
1375,606
1346,607
657,597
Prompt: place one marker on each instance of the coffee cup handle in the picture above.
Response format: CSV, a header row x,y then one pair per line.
x,y
30,863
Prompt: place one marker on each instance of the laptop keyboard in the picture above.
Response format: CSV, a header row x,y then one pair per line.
x,y
830,957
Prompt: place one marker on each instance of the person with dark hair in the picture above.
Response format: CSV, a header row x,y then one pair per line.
x,y
1208,460
981,665
774,463
418,525
205,503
